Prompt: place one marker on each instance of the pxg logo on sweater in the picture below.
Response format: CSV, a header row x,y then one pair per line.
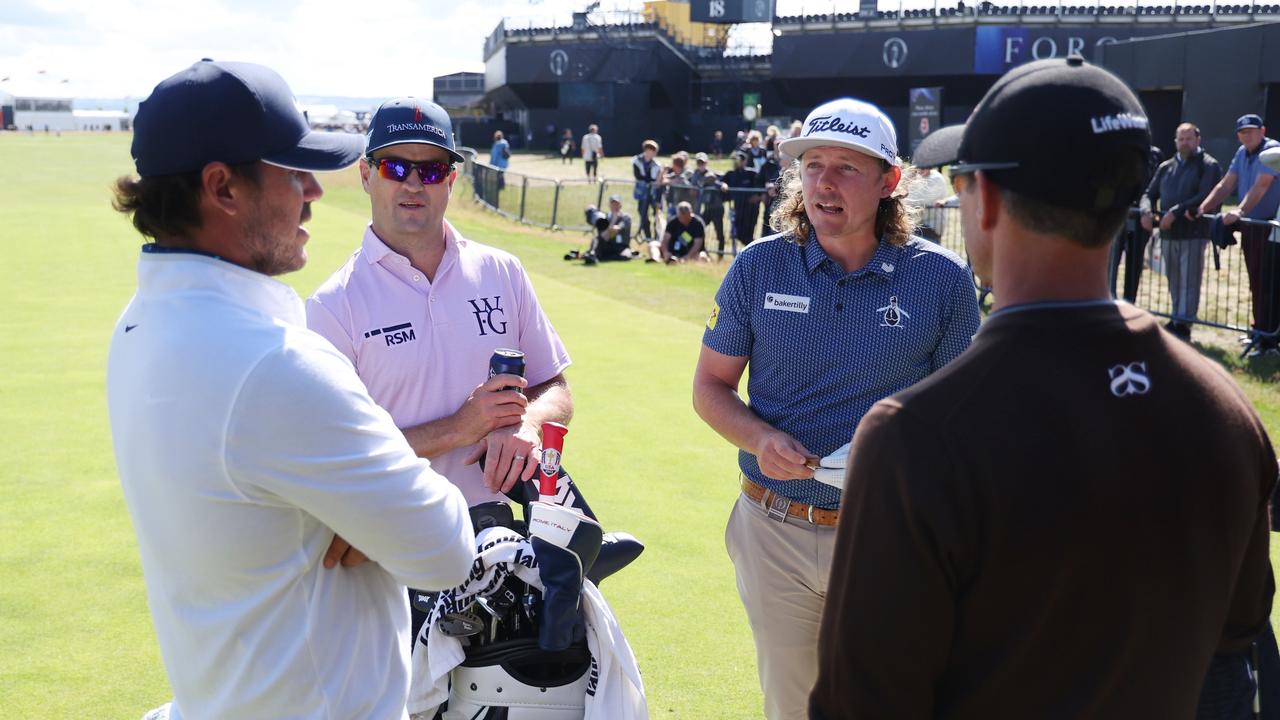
x,y
393,334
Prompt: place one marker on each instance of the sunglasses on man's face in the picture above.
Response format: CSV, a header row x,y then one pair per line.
x,y
432,172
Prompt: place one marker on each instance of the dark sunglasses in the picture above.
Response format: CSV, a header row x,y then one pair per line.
x,y
431,172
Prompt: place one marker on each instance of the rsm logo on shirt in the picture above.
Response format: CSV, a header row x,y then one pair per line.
x,y
393,334
790,303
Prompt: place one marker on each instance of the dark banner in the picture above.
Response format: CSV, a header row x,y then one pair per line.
x,y
873,54
731,11
924,114
577,62
939,52
998,48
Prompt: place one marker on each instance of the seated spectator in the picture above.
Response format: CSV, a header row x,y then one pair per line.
x,y
684,238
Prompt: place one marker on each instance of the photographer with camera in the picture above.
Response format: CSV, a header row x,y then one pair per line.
x,y
611,238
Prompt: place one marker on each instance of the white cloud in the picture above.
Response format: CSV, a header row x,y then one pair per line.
x,y
118,48
122,48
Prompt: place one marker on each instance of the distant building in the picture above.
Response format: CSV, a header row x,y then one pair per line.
x,y
37,108
459,92
49,106
102,120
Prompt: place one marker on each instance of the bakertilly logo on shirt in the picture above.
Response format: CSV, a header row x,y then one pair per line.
x,y
790,303
393,334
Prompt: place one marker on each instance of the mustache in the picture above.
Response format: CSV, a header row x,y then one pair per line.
x,y
306,212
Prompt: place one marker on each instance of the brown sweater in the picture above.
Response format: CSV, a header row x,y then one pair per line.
x,y
1068,521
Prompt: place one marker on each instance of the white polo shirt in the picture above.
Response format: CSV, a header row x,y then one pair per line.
x,y
244,442
422,347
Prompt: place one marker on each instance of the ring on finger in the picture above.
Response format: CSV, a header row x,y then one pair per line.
x,y
519,457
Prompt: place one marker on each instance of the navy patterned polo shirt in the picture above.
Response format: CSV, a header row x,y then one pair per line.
x,y
825,345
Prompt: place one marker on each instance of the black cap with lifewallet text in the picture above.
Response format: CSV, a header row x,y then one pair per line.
x,y
1049,130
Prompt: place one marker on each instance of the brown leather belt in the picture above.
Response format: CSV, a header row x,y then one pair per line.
x,y
780,508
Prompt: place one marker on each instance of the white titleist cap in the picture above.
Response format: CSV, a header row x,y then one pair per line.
x,y
846,122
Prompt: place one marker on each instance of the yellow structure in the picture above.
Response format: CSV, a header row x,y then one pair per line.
x,y
673,17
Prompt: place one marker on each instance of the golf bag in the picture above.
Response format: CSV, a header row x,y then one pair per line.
x,y
528,636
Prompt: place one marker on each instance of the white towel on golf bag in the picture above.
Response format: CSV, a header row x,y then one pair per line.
x,y
618,694
500,552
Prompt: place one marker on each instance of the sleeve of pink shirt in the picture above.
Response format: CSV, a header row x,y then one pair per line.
x,y
322,320
544,355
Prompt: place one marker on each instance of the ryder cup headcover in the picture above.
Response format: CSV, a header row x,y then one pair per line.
x,y
566,528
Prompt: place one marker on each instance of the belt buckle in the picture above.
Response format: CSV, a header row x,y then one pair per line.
x,y
778,507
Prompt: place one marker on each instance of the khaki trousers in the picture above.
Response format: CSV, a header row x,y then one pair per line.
x,y
782,571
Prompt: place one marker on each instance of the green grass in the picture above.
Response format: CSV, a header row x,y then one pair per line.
x,y
75,635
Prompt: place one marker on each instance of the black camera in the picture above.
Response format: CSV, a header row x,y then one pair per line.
x,y
596,219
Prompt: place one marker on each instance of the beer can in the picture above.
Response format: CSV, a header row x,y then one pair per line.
x,y
506,361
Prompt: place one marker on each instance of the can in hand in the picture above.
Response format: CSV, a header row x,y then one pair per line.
x,y
506,361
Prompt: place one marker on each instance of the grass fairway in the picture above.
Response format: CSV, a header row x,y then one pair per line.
x,y
75,635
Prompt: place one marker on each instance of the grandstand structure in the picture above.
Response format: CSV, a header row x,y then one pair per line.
x,y
656,73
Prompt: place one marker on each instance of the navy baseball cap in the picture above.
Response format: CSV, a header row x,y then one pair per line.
x,y
235,113
1248,121
1050,130
411,120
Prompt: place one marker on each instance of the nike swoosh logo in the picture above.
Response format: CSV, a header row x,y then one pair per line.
x,y
127,328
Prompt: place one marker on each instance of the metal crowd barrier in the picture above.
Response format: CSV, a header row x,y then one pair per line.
x,y
1137,267
1226,298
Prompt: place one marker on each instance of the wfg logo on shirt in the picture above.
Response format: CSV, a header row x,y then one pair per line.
x,y
484,312
393,334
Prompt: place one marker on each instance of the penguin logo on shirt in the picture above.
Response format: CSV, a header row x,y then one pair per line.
x,y
892,315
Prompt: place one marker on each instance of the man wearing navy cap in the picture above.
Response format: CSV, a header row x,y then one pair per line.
x,y
1037,531
1256,185
247,447
419,310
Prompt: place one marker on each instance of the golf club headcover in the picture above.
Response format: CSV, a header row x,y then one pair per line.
x,y
491,514
617,552
566,544
560,617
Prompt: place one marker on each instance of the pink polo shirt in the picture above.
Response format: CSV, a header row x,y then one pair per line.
x,y
422,347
